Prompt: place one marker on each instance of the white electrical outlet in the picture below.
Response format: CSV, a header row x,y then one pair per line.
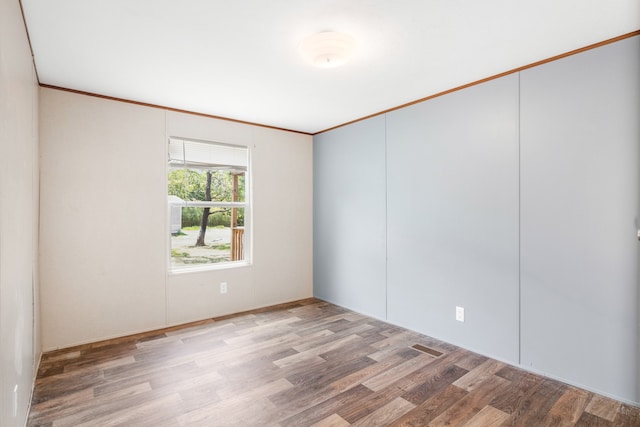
x,y
460,314
223,287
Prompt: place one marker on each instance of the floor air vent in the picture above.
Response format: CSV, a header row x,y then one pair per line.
x,y
427,350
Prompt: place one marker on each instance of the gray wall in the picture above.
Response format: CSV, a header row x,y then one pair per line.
x,y
349,217
516,199
452,212
580,138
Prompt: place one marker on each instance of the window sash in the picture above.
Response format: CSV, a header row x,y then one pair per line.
x,y
212,204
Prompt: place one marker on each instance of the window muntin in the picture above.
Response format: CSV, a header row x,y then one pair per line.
x,y
207,195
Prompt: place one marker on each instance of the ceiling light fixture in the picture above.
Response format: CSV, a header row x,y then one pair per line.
x,y
328,49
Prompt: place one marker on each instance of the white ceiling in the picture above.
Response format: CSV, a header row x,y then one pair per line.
x,y
239,59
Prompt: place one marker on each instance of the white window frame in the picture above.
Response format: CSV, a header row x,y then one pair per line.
x,y
246,205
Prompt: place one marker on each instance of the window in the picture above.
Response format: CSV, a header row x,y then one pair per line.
x,y
208,203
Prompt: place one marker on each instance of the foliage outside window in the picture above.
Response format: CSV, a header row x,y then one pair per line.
x,y
207,196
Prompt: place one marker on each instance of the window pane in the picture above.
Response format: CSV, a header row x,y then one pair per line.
x,y
207,185
220,242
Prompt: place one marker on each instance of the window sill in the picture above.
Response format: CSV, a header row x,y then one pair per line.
x,y
215,267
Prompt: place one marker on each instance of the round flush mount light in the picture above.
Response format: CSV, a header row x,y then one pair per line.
x,y
328,49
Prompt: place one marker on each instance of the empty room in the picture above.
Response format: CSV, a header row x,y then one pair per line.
x,y
320,213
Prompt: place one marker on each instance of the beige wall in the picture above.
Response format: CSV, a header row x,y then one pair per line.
x,y
19,322
104,240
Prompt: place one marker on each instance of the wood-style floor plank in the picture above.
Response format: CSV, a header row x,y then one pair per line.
x,y
603,407
487,417
386,414
306,363
567,410
466,408
431,408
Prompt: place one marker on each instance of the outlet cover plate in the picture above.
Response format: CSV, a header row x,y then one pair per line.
x,y
460,314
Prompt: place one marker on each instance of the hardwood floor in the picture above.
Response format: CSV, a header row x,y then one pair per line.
x,y
308,363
